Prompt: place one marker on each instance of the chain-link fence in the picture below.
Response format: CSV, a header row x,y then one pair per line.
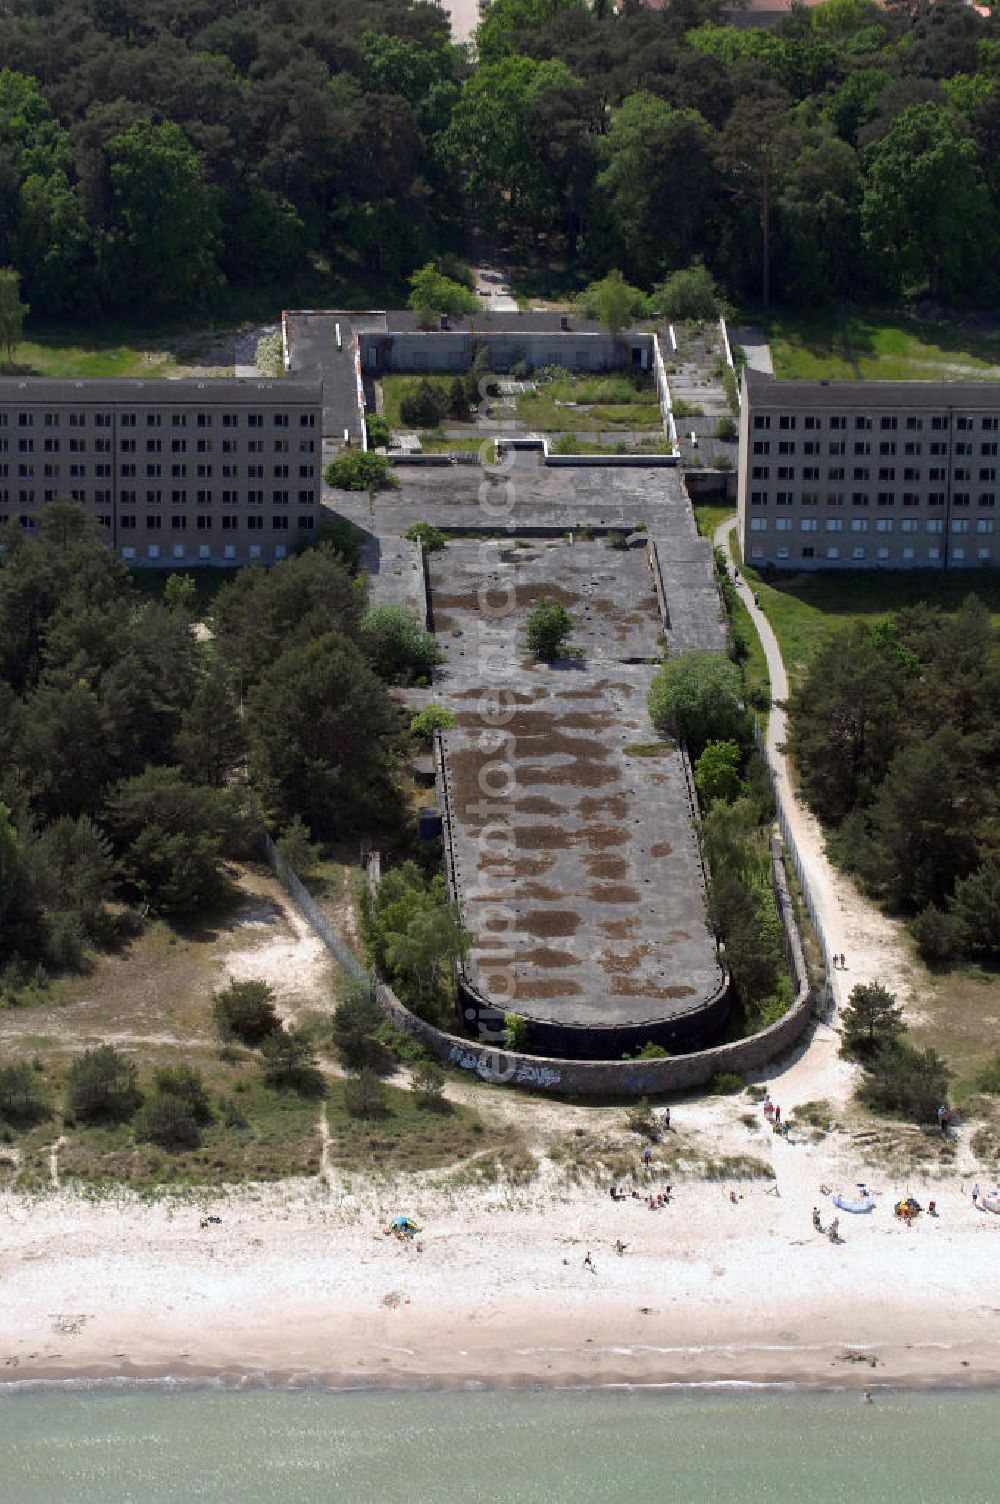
x,y
308,906
791,846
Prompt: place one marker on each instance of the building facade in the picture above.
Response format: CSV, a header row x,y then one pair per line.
x,y
869,474
220,471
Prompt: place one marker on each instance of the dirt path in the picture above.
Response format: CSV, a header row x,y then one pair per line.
x,y
876,948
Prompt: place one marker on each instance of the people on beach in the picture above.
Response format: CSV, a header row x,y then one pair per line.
x,y
975,1193
666,1118
777,1115
943,1116
866,1395
817,1223
769,1109
620,1247
588,1262
647,1157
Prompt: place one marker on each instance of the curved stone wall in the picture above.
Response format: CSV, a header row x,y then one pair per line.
x,y
598,1078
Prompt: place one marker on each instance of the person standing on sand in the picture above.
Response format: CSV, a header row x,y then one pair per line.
x,y
588,1262
975,1193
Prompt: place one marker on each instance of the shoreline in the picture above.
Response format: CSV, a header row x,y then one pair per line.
x,y
798,1372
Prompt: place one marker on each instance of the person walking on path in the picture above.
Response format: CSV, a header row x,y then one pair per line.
x,y
975,1194
588,1262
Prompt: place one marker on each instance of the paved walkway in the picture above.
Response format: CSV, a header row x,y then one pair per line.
x,y
876,948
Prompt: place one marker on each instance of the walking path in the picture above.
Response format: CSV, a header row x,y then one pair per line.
x,y
875,947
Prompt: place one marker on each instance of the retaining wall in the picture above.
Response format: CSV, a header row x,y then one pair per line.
x,y
583,1078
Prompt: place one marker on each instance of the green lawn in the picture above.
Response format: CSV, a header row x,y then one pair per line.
x,y
54,356
806,609
880,347
708,517
541,411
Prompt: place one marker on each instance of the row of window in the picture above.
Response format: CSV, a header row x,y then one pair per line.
x,y
206,523
205,551
155,446
861,525
935,474
154,471
838,423
908,555
102,496
26,419
862,447
863,499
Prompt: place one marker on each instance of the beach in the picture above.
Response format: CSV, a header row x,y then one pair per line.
x,y
299,1285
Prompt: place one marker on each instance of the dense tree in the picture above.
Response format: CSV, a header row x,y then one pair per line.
x,y
698,698
432,294
355,1030
164,229
871,1019
321,730
171,836
413,935
261,613
925,204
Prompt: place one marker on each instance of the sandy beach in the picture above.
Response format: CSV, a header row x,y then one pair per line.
x,y
300,1285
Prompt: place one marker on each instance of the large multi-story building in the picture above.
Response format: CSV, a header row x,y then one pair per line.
x,y
220,471
860,474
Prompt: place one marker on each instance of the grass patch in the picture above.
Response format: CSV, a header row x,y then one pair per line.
x,y
645,749
570,444
954,1007
755,672
880,347
61,355
542,411
617,390
439,443
709,517
806,609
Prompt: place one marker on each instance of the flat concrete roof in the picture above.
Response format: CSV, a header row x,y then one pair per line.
x,y
931,396
313,353
161,391
604,884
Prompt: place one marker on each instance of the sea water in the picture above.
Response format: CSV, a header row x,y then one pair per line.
x,y
157,1446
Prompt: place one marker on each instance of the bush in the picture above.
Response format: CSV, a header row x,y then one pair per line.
x,y
720,461
726,1083
401,651
687,294
355,1031
697,698
168,1121
290,1061
458,404
364,1095
102,1086
988,1079
296,846
23,1100
378,430
515,1031
976,908
905,1081
717,773
726,430
639,1119
548,630
246,1011
423,407
940,935
188,1086
428,1085
431,539
432,718
354,470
